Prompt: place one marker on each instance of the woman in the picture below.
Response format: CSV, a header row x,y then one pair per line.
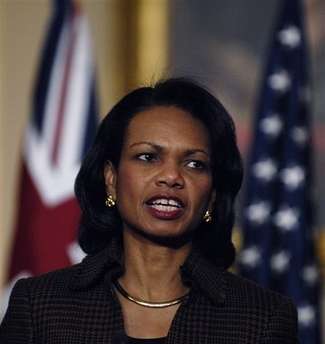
x,y
157,192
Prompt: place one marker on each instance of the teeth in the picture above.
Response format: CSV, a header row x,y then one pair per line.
x,y
173,202
164,202
161,201
166,208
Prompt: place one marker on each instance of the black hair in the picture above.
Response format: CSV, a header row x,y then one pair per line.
x,y
99,224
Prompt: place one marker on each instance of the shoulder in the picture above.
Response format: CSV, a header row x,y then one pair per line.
x,y
243,292
59,289
78,277
224,287
58,279
29,297
28,292
63,296
230,301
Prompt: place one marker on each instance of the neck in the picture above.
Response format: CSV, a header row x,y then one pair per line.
x,y
152,271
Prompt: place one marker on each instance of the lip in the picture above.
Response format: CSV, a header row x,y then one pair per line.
x,y
167,207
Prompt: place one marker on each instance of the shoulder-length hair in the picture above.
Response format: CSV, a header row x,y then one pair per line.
x,y
99,224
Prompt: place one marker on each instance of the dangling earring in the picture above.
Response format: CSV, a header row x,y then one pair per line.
x,y
110,201
207,217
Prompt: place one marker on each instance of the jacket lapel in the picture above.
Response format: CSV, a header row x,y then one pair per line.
x,y
94,266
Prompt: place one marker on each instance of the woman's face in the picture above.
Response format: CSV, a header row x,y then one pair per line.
x,y
163,184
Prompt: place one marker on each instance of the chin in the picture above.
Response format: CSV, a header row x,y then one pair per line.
x,y
174,241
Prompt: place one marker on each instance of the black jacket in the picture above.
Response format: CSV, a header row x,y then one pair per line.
x,y
75,306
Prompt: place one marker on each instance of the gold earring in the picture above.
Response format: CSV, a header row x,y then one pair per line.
x,y
207,216
110,201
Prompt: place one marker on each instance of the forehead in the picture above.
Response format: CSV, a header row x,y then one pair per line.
x,y
167,123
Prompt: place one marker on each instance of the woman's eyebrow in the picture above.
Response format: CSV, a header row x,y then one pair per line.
x,y
145,143
196,150
159,148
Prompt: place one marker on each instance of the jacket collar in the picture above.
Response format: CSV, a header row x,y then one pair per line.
x,y
210,279
198,269
94,266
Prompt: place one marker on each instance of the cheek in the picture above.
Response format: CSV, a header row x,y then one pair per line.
x,y
124,181
203,192
128,185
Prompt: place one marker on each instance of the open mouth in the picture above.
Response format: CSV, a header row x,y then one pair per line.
x,y
165,204
167,208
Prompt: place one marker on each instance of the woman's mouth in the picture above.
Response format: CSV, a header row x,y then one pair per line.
x,y
165,208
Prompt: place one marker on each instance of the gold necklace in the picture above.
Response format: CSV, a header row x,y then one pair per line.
x,y
149,304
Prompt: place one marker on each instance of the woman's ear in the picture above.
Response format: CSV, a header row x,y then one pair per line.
x,y
110,177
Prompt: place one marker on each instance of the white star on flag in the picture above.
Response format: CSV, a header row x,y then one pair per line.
x,y
310,275
265,169
251,256
290,36
280,262
280,81
306,315
299,135
258,212
293,176
271,125
287,218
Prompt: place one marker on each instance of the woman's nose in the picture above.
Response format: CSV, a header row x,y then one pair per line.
x,y
170,174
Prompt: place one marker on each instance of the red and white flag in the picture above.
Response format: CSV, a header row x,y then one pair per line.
x,y
62,125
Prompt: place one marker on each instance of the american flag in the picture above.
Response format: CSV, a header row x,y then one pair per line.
x,y
278,238
63,122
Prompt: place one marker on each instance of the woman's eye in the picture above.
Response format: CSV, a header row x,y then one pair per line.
x,y
146,157
197,164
